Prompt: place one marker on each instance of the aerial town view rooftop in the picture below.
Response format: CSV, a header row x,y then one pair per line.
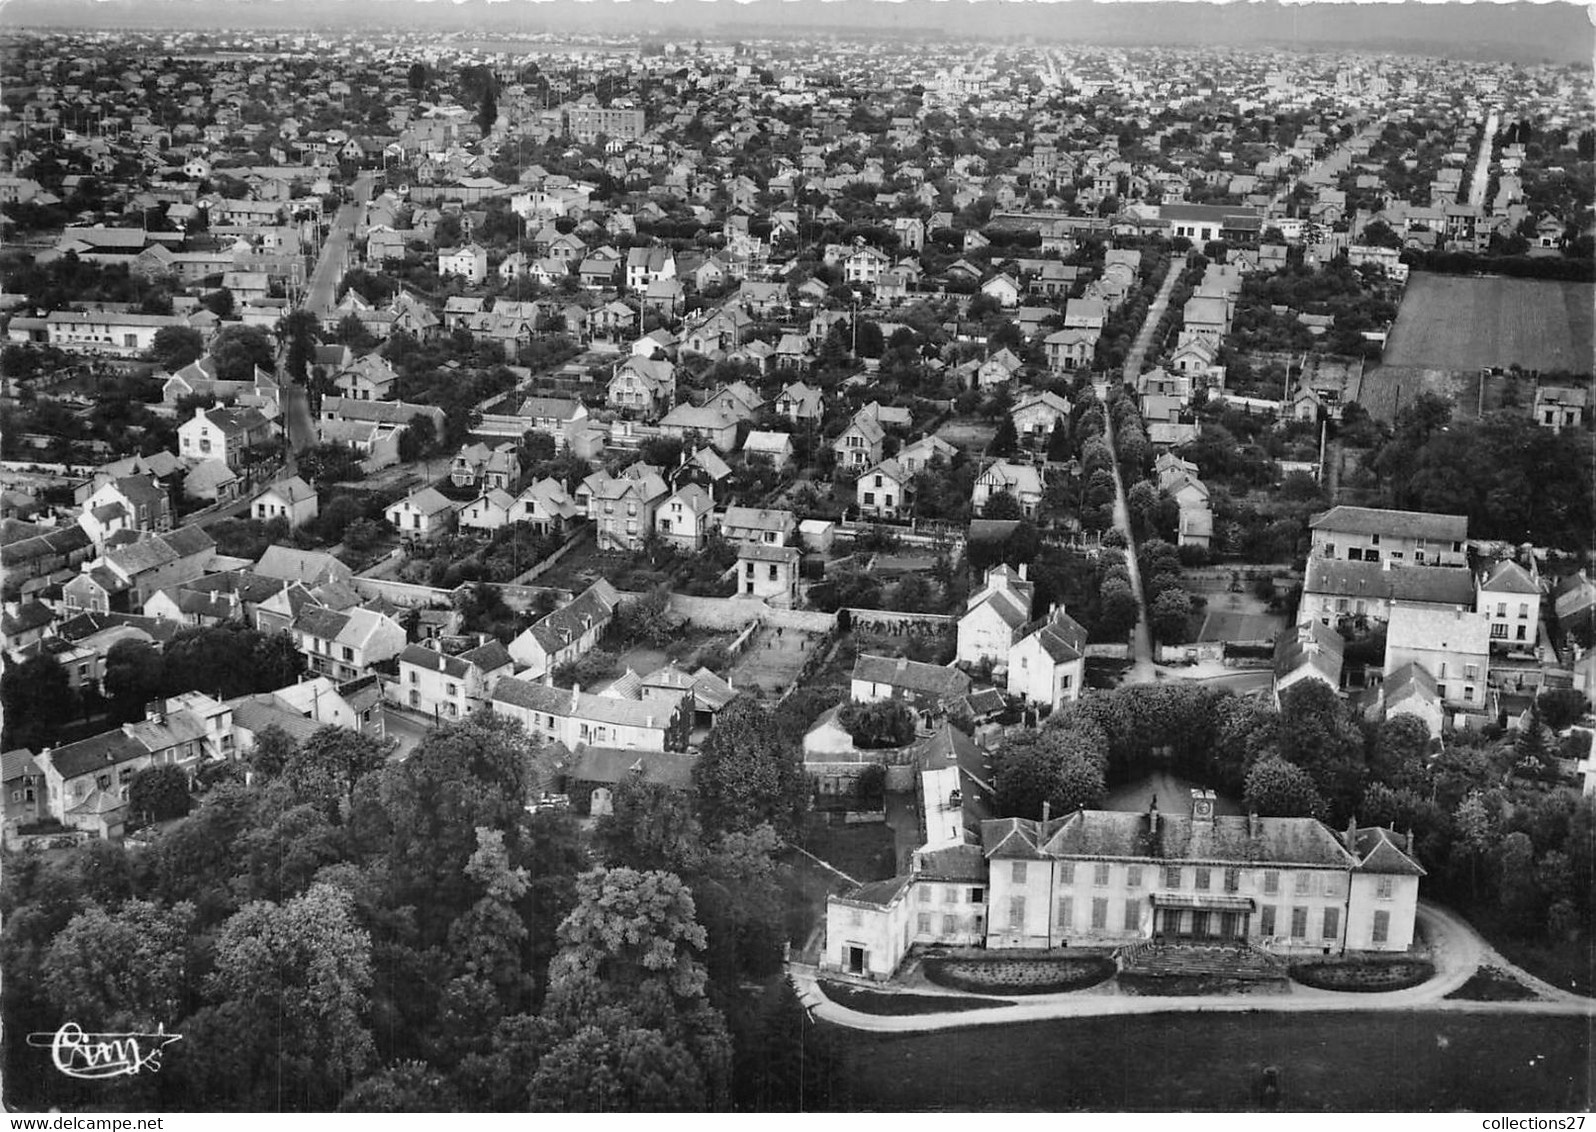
x,y
557,560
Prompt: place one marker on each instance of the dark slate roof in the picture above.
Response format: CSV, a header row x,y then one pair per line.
x,y
109,748
321,622
17,764
1398,524
1381,852
188,541
30,615
914,675
964,863
879,893
87,624
1433,585
592,607
1062,639
1509,577
488,657
419,656
1118,835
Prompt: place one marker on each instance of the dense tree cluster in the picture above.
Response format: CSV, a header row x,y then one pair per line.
x,y
351,931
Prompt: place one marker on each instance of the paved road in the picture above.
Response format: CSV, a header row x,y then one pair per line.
x,y
336,251
405,729
1142,671
301,425
1482,161
1457,951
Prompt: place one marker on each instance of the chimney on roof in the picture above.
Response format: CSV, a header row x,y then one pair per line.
x,y
1254,826
1152,817
1408,841
1352,835
1047,811
1024,569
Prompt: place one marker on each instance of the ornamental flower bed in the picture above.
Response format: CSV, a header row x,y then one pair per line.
x,y
1364,975
1018,976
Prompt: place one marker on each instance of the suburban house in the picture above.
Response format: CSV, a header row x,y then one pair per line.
x,y
308,567
643,387
1036,416
860,444
370,378
136,565
648,265
546,507
1022,481
1309,651
422,514
490,511
623,507
1071,349
994,616
683,518
133,503
882,491
758,524
223,434
1369,534
1560,406
799,403
1510,598
926,688
566,633
769,573
477,465
579,719
1452,645
695,425
1047,666
344,645
773,446
449,687
560,417
291,499
469,263
918,455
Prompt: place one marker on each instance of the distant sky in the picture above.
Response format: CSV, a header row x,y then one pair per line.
x,y
1526,32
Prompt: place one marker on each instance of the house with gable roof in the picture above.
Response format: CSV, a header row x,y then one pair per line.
x,y
567,633
223,434
344,645
683,518
1309,651
291,499
1510,598
1022,481
882,492
860,444
1036,416
995,615
449,686
1047,665
580,720
369,378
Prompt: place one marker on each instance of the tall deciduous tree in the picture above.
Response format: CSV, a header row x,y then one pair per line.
x,y
748,772
37,697
288,1028
1058,765
1279,789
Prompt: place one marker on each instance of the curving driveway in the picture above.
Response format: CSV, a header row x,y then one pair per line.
x,y
1457,951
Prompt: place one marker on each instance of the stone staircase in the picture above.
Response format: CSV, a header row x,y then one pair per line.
x,y
1213,960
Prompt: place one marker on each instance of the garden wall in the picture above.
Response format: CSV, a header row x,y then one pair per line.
x,y
406,594
720,613
805,620
1200,653
901,624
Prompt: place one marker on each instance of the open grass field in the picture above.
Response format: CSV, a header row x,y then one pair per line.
x,y
1466,322
1379,1062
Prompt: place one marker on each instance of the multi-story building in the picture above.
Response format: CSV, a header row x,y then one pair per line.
x,y
1367,534
578,719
